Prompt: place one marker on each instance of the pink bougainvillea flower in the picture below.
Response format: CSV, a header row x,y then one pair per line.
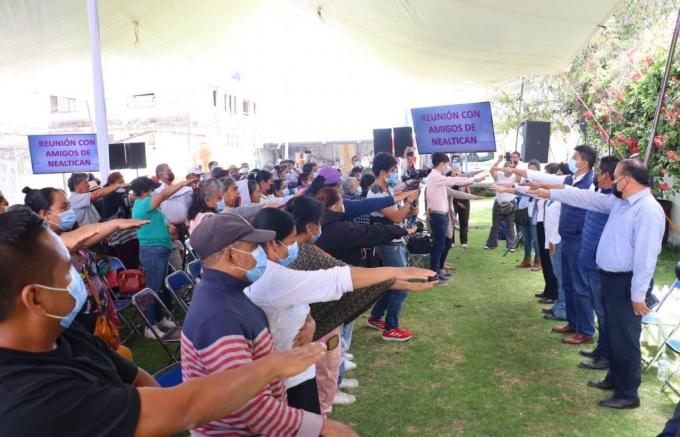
x,y
672,155
650,61
664,187
635,76
659,140
588,115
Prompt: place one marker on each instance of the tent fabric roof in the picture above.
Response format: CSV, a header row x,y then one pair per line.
x,y
477,41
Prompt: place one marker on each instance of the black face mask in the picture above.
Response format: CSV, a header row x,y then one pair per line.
x,y
171,176
596,183
616,192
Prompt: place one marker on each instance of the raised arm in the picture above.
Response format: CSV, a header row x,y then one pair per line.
x,y
89,235
585,199
538,176
167,411
105,191
461,195
169,191
356,208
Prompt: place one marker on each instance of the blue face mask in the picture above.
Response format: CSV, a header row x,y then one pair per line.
x,y
293,250
392,179
572,165
261,264
359,192
447,169
316,237
221,205
67,219
76,288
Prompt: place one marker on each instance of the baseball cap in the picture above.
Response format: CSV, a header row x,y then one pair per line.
x,y
217,231
194,170
331,175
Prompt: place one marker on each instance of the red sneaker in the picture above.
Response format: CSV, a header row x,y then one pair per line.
x,y
376,324
397,334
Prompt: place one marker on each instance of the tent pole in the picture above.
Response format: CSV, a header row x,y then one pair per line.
x,y
521,97
98,82
662,92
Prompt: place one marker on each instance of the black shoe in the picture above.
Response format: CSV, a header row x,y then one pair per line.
x,y
546,310
620,404
602,385
553,317
547,301
541,295
594,364
588,353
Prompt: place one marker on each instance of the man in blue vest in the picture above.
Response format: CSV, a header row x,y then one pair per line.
x,y
580,315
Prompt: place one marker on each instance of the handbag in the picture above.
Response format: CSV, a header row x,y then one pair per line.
x,y
506,208
131,281
419,243
104,329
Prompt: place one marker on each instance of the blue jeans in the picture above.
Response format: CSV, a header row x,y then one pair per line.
x,y
439,224
154,260
560,308
576,293
530,238
392,302
346,342
596,294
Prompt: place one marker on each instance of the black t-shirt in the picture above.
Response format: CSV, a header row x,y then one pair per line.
x,y
80,389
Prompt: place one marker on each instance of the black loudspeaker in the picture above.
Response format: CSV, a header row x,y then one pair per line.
x,y
382,140
403,138
536,140
117,159
136,155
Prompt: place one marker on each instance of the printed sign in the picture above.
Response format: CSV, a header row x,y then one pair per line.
x,y
68,153
454,128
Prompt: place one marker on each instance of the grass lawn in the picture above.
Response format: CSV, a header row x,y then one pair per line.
x,y
482,362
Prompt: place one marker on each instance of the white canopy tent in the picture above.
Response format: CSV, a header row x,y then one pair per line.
x,y
319,69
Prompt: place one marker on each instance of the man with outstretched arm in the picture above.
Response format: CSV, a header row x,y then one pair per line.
x,y
626,257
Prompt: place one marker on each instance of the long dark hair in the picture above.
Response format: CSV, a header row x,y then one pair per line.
x,y
316,185
274,219
305,210
39,200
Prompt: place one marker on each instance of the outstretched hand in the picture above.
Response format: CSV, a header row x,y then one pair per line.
x,y
532,185
75,241
131,223
542,192
411,273
413,287
292,362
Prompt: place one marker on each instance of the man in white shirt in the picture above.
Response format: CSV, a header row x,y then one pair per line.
x,y
504,207
81,198
176,207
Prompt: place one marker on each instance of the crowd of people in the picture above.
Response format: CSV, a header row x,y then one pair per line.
x,y
291,255
598,230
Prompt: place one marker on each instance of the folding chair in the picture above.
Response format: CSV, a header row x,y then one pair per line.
x,y
147,299
169,376
418,260
194,269
674,345
666,324
191,255
180,286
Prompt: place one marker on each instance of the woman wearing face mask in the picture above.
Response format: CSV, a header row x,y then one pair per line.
x,y
284,294
330,315
206,199
52,205
155,243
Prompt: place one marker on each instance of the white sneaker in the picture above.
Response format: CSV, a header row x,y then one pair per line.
x,y
166,323
148,333
464,246
348,356
342,398
350,365
486,247
348,383
512,250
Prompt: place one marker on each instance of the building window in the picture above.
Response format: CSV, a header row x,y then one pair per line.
x,y
214,98
226,105
246,107
62,104
254,109
146,100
